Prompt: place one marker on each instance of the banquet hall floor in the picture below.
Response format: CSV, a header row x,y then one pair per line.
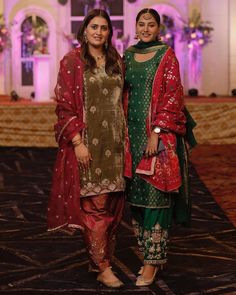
x,y
201,260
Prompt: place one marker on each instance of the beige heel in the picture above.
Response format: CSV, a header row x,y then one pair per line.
x,y
160,267
141,281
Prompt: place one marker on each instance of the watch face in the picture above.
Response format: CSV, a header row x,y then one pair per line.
x,y
157,130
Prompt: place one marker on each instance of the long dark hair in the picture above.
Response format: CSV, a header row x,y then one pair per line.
x,y
112,56
152,11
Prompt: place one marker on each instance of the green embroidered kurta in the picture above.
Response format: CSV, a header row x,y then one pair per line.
x,y
104,134
140,76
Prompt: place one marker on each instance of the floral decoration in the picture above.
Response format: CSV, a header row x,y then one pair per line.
x,y
196,31
4,35
35,35
197,34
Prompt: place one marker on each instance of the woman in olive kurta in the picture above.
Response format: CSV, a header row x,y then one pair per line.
x,y
158,190
88,182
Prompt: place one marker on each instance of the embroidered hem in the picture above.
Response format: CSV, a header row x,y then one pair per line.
x,y
104,191
155,262
150,207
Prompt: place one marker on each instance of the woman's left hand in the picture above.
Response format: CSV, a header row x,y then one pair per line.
x,y
152,144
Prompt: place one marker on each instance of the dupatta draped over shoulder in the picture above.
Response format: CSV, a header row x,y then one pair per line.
x,y
64,202
167,172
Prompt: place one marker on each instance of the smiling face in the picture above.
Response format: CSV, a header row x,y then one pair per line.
x,y
147,28
97,31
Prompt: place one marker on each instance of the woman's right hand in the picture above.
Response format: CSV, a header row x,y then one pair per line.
x,y
83,156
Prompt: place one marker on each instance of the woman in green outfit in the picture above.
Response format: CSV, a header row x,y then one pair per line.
x,y
156,116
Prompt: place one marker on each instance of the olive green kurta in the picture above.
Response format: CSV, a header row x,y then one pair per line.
x,y
104,134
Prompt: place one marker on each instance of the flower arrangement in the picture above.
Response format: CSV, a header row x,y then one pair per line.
x,y
197,34
4,34
35,36
168,30
196,31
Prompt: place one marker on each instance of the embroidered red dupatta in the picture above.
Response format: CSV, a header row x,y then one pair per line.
x,y
64,202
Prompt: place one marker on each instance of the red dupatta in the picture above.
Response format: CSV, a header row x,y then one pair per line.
x,y
64,202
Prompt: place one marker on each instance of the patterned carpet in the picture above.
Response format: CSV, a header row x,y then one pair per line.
x,y
216,165
202,259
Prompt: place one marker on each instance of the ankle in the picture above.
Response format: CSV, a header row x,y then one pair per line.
x,y
149,267
149,270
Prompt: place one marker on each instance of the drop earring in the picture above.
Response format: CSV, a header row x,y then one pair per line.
x,y
106,44
85,38
136,37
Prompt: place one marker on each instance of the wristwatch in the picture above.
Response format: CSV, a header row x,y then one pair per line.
x,y
157,130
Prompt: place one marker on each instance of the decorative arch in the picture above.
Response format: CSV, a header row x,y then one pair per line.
x,y
34,37
19,18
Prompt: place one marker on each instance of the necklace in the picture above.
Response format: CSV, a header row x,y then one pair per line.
x,y
99,57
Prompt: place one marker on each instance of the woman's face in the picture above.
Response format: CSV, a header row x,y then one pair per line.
x,y
97,31
147,28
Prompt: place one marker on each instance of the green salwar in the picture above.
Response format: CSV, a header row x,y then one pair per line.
x,y
151,237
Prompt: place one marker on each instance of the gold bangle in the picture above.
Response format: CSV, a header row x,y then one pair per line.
x,y
77,143
76,140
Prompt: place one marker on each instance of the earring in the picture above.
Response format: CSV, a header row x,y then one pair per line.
x,y
106,44
136,37
85,38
